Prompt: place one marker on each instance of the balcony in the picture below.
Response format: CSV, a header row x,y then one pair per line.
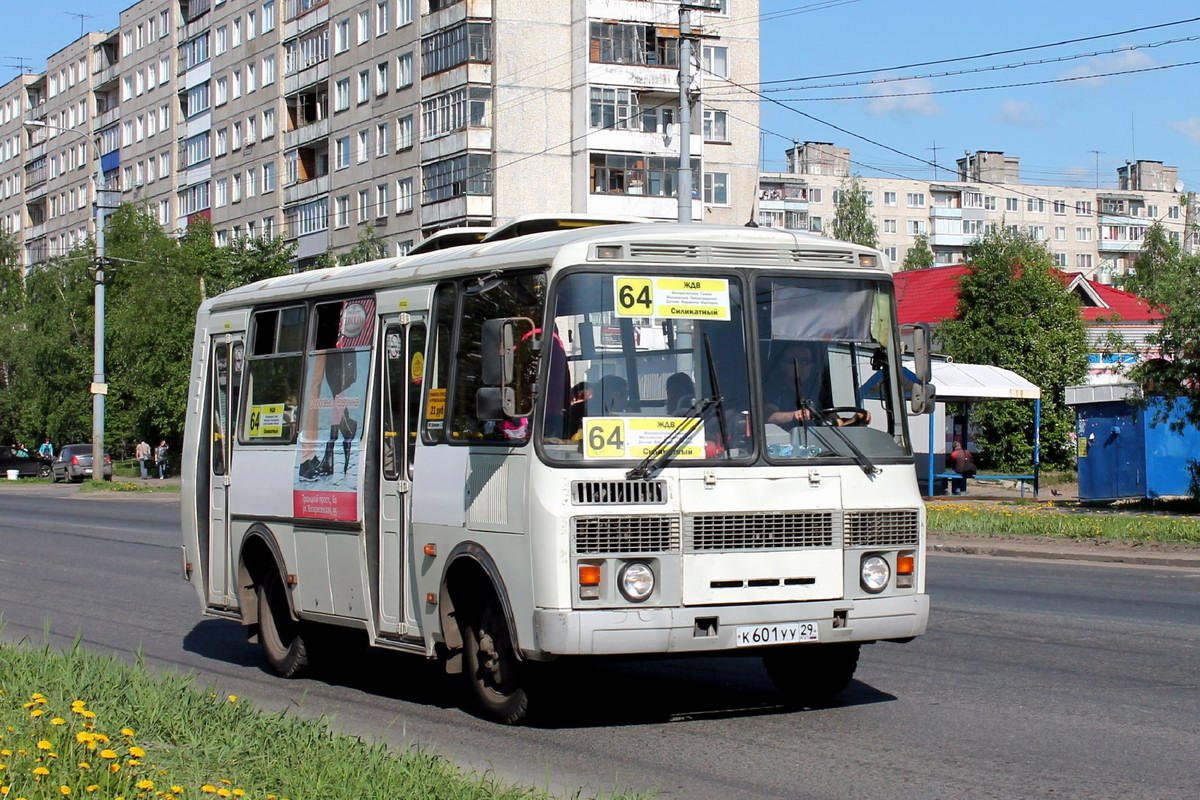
x,y
305,190
39,111
107,118
309,133
1119,245
303,15
37,192
950,239
945,212
36,232
306,77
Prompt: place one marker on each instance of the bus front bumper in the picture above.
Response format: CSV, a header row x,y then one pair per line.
x,y
714,628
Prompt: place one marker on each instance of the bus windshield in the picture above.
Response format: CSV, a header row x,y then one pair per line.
x,y
641,351
641,361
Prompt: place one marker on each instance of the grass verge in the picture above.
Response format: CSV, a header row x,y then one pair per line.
x,y
121,485
77,724
1045,519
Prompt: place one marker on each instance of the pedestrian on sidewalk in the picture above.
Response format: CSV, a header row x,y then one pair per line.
x,y
160,458
142,454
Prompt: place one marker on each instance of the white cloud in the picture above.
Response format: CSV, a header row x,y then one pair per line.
x,y
1115,62
1189,128
890,103
1016,112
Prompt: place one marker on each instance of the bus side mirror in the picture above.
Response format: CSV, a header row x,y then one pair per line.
x,y
922,392
493,403
497,351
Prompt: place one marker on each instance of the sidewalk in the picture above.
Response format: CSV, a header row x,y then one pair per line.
x,y
1157,554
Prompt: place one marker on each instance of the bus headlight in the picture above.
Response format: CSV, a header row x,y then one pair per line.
x,y
875,574
636,580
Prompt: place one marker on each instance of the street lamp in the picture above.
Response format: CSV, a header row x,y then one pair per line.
x,y
98,388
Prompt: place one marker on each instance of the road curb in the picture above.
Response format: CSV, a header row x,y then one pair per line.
x,y
1183,560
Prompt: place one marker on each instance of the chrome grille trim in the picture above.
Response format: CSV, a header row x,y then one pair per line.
x,y
624,533
766,531
618,493
882,528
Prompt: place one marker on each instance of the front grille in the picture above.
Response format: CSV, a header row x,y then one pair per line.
x,y
748,255
780,531
663,251
624,534
618,493
897,528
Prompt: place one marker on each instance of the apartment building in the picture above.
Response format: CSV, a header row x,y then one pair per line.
x,y
326,121
1095,232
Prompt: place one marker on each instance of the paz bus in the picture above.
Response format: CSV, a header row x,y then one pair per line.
x,y
624,440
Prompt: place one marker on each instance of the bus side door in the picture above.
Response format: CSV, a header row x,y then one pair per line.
x,y
225,376
403,374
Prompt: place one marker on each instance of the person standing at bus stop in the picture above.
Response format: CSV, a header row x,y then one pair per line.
x,y
142,454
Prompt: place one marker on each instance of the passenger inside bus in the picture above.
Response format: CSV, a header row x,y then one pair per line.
x,y
681,393
797,387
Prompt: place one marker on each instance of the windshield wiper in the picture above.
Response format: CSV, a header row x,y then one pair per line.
x,y
716,395
665,450
859,456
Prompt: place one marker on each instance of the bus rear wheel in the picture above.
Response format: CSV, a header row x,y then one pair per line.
x,y
279,634
492,668
812,675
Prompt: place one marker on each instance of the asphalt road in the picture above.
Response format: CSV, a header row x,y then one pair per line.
x,y
1037,679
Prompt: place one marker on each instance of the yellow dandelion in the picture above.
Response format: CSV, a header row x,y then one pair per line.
x,y
37,712
133,762
83,737
239,792
108,754
5,752
44,745
226,782
3,791
127,731
88,714
91,744
40,771
84,765
37,696
208,788
58,721
114,768
176,790
223,792
100,737
93,787
137,752
145,785
66,790
30,704
232,698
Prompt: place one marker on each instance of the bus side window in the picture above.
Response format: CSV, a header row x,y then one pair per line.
x,y
437,365
416,377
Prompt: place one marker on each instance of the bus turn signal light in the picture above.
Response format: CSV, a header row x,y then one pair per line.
x,y
589,581
905,564
431,550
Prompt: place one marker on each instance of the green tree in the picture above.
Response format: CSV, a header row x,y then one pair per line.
x,y
852,216
920,255
12,299
1169,280
368,248
1013,312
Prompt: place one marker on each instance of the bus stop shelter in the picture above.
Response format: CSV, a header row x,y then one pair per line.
x,y
967,384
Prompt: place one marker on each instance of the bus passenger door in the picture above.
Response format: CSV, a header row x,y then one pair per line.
x,y
404,371
226,380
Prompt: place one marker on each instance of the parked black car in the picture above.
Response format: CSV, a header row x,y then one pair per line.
x,y
26,466
74,463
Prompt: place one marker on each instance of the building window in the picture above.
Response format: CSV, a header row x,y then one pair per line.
x,y
889,226
446,49
1012,204
889,198
1083,234
364,86
268,16
989,203
341,95
716,188
915,227
404,195
1060,233
890,252
1060,206
341,37
268,177
716,60
404,13
715,126
1083,261
341,153
816,224
381,79
268,70
1060,259
268,123
1036,205
467,174
404,76
363,205
1173,212
1083,208
381,132
633,43
404,132
614,109
1037,232
381,200
310,217
341,211
639,175
915,199
468,106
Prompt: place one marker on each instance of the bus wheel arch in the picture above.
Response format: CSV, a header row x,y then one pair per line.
x,y
267,604
480,635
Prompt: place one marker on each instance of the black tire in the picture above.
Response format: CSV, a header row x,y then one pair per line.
x,y
44,471
812,675
493,671
278,633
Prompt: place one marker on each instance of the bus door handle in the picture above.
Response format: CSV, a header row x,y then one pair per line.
x,y
403,486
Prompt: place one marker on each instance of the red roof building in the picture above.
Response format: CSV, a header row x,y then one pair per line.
x,y
931,295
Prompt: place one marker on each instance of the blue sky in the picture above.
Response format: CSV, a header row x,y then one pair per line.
x,y
1054,127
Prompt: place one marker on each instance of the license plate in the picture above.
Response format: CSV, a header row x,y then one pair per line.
x,y
785,633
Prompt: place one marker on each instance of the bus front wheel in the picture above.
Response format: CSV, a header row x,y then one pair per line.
x,y
279,634
812,675
492,668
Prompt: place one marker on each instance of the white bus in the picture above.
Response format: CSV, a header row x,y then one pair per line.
x,y
629,439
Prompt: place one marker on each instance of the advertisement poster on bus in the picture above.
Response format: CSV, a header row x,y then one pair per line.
x,y
325,482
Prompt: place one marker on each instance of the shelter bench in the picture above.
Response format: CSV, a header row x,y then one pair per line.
x,y
1021,479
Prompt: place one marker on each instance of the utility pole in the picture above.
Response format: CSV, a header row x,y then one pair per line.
x,y
935,161
1097,154
685,101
